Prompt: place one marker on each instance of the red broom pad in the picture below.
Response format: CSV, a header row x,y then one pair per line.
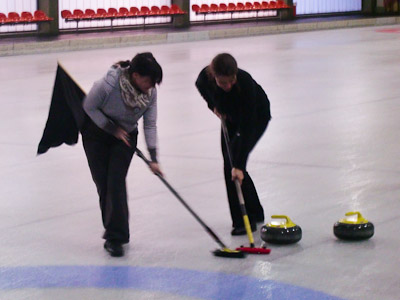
x,y
253,250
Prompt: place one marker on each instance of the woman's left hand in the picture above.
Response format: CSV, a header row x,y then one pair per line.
x,y
155,168
237,174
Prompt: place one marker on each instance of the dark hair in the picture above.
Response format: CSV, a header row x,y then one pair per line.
x,y
223,64
145,65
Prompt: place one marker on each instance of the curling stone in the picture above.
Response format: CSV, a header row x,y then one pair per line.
x,y
282,231
354,227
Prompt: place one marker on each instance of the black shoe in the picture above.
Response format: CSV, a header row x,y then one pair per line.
x,y
242,230
114,248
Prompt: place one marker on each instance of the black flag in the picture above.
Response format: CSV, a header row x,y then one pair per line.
x,y
66,115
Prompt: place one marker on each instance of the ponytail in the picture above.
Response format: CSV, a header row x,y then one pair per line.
x,y
123,64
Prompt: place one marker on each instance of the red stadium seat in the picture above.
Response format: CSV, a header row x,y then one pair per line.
x,y
214,8
204,9
176,10
281,4
123,12
13,17
134,11
66,14
39,15
165,11
78,14
265,5
155,11
144,11
196,8
27,17
239,6
231,7
3,19
112,12
90,13
257,5
223,7
101,13
249,6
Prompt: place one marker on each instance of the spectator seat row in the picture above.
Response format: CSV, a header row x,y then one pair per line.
x,y
14,18
205,9
121,13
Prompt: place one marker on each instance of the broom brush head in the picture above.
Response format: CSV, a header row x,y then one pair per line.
x,y
229,253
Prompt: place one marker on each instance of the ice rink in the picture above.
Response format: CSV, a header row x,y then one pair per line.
x,y
332,147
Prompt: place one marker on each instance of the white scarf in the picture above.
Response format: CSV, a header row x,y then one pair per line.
x,y
131,96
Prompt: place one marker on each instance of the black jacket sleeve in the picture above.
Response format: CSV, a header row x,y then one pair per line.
x,y
247,123
254,115
205,89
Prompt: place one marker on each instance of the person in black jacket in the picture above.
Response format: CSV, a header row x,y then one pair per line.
x,y
233,95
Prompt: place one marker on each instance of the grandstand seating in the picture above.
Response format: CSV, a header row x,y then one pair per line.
x,y
14,18
239,7
121,13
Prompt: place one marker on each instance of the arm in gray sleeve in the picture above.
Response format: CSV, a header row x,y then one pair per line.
x,y
150,126
92,106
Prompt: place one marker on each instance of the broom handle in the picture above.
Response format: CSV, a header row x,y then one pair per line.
x,y
208,229
238,187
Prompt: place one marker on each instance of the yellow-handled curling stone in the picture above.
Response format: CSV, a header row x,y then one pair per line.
x,y
353,227
281,230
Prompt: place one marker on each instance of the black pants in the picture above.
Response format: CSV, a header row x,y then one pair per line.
x,y
252,202
109,159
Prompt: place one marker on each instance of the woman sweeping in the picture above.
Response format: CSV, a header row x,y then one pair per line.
x,y
233,95
114,105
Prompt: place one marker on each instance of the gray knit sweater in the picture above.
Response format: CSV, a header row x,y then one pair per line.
x,y
105,106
